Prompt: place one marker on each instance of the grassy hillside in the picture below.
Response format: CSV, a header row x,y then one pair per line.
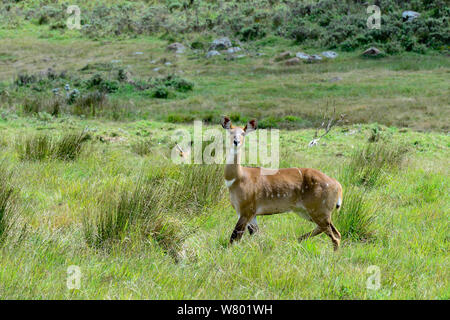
x,y
86,177
327,23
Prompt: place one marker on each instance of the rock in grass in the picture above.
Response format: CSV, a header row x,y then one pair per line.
x,y
292,62
220,44
177,47
234,50
372,52
231,57
212,53
315,57
410,15
302,55
283,56
335,79
329,54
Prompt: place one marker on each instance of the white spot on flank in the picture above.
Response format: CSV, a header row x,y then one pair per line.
x,y
229,183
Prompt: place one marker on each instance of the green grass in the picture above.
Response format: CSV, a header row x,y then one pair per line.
x,y
407,90
109,200
176,245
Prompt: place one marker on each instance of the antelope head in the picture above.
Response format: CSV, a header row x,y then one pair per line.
x,y
237,134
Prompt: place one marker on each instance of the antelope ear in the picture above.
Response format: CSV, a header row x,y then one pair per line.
x,y
225,122
251,126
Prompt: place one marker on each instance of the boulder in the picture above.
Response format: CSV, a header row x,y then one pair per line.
x,y
177,47
220,44
292,61
233,50
212,53
315,57
231,57
302,55
329,54
410,15
372,52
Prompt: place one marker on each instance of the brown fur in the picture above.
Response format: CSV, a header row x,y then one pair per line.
x,y
306,191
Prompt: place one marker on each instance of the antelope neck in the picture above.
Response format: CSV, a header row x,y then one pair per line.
x,y
233,169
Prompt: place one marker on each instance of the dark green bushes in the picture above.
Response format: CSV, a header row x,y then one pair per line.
x,y
324,23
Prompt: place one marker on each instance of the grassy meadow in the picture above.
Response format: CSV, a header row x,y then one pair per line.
x,y
89,181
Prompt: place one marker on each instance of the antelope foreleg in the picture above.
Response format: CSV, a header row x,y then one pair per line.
x,y
239,229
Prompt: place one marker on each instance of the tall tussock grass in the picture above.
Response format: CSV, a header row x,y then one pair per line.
x,y
9,211
198,186
160,207
90,104
69,146
368,164
365,170
355,219
142,147
43,146
36,104
34,148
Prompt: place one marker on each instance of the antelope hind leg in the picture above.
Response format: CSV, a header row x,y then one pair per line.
x,y
329,232
311,234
